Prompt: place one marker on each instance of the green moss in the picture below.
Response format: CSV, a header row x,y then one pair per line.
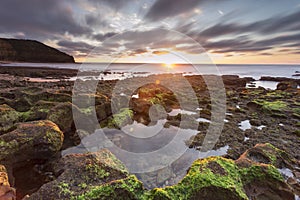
x,y
128,188
297,132
87,110
83,185
296,113
97,171
276,94
157,194
8,117
8,148
217,173
154,100
121,118
272,106
53,138
200,176
64,189
24,116
259,173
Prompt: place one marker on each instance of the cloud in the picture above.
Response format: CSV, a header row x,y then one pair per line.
x,y
160,52
137,52
169,8
103,36
276,24
115,4
96,20
280,40
39,19
70,46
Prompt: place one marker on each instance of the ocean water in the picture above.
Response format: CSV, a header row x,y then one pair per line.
x,y
255,71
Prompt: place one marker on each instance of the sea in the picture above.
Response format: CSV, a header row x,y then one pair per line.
x,y
242,70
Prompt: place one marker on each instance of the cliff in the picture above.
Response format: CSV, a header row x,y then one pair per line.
x,y
16,50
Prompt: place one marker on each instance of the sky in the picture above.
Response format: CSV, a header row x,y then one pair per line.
x,y
168,31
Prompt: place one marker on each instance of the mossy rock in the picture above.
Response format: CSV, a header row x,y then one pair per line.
x,y
62,115
31,140
205,179
39,111
8,118
3,177
272,106
6,192
120,119
123,189
87,176
267,154
102,176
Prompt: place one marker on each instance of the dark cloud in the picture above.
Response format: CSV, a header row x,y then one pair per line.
x,y
266,54
272,25
160,52
169,8
220,29
39,19
137,51
279,23
115,4
279,41
103,36
70,46
96,21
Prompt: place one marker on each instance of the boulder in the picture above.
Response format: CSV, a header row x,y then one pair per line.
x,y
233,81
98,175
30,140
285,85
266,154
62,115
39,111
103,111
8,118
101,175
261,179
6,192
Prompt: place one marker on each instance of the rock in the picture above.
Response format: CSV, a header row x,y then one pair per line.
x,y
8,118
233,81
267,154
261,179
62,115
39,111
255,122
219,178
120,119
101,175
284,85
97,175
277,79
294,184
6,192
264,182
103,111
30,140
17,50
204,180
26,98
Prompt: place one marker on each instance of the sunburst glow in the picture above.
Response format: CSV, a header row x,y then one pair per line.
x,y
168,65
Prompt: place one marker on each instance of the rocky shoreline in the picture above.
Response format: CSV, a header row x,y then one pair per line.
x,y
38,121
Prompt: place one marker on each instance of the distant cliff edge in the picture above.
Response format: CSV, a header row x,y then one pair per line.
x,y
16,50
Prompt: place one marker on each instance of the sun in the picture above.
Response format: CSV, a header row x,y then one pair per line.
x,y
168,65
